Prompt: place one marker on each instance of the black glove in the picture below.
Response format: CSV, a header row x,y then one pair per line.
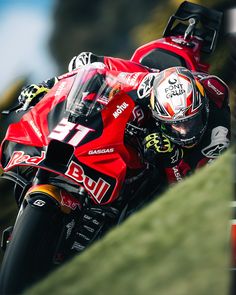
x,y
31,94
157,147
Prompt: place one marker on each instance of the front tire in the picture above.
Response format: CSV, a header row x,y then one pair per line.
x,y
30,252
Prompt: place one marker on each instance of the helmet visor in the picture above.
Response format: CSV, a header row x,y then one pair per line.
x,y
186,132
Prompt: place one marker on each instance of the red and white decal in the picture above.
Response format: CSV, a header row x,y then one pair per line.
x,y
129,78
97,188
63,129
19,157
69,201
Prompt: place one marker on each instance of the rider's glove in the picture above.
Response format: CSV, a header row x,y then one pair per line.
x,y
157,147
31,94
84,58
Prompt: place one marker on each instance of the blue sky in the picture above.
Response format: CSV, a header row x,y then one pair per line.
x,y
25,28
32,3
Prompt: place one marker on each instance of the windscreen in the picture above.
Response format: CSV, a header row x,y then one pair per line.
x,y
89,94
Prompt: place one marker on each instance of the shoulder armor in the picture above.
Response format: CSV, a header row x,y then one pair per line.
x,y
216,90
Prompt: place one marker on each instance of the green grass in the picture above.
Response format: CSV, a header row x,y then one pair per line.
x,y
177,245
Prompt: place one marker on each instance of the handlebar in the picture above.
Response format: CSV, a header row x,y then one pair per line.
x,y
7,112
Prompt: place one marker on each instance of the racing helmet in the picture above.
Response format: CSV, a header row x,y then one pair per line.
x,y
180,106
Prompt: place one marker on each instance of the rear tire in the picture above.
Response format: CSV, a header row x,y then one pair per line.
x,y
29,255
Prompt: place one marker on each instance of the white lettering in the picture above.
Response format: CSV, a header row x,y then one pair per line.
x,y
102,151
120,109
217,91
19,157
35,128
176,173
97,189
60,88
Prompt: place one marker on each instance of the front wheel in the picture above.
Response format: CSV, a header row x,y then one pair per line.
x,y
31,249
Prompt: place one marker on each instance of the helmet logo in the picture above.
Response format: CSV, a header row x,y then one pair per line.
x,y
181,112
177,95
173,81
145,86
174,89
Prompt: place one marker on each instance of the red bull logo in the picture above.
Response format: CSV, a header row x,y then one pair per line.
x,y
97,188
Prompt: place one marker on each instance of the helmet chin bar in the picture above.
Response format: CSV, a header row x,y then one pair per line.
x,y
187,143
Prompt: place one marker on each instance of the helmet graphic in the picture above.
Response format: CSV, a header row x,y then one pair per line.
x,y
179,105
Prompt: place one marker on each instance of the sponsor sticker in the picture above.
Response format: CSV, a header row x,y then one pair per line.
x,y
174,87
145,86
35,128
101,151
138,114
39,203
177,173
19,157
128,78
60,88
217,91
97,188
69,201
120,109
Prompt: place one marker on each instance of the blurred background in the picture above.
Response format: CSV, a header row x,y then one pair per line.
x,y
38,39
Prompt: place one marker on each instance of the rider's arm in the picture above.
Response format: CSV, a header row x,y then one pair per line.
x,y
112,63
161,152
216,90
219,125
217,136
33,93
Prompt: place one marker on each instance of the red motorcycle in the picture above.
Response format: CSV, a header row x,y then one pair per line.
x,y
76,162
77,169
191,32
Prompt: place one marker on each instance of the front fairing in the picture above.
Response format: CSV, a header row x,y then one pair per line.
x,y
88,150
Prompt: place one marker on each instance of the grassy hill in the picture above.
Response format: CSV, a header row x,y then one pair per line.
x,y
177,245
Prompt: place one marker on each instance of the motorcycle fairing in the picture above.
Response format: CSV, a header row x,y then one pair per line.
x,y
33,128
169,52
99,185
182,44
101,158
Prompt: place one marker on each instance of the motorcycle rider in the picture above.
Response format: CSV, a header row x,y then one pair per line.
x,y
189,123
